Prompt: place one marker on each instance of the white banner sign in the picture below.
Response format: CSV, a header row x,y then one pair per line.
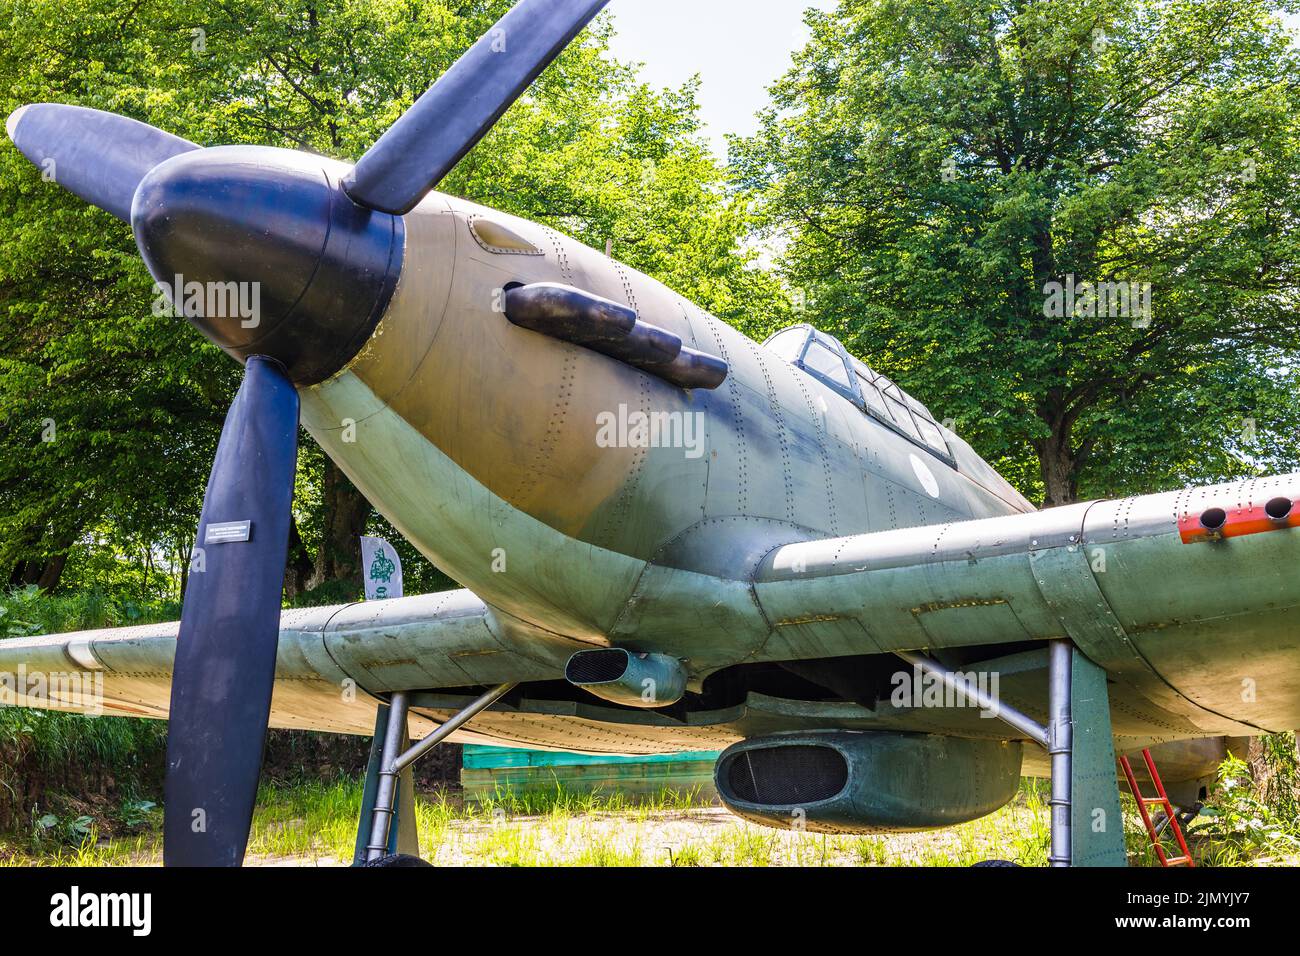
x,y
381,569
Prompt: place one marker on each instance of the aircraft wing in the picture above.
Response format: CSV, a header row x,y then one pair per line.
x,y
330,662
1197,622
1189,598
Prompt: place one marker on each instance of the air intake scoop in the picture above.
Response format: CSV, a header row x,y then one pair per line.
x,y
625,677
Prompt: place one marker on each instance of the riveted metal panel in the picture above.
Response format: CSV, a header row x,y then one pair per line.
x,y
1216,619
438,640
1096,823
1065,578
814,636
684,613
551,580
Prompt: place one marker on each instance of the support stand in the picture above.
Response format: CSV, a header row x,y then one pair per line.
x,y
388,777
1060,731
1096,820
1087,826
404,837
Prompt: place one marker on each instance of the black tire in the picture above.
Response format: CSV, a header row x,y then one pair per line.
x,y
995,863
1188,814
397,859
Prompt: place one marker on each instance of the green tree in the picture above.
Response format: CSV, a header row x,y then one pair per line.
x,y
138,400
108,413
932,170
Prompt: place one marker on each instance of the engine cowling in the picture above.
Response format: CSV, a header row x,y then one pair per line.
x,y
866,782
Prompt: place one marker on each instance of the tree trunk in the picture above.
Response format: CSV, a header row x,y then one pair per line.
x,y
346,514
184,555
31,572
298,569
46,570
18,577
1059,466
52,572
22,545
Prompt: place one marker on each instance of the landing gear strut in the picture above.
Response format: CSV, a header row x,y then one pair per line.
x,y
390,793
1060,731
1087,826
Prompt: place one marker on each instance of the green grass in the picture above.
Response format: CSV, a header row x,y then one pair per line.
x,y
73,758
26,611
96,776
559,800
1242,826
315,823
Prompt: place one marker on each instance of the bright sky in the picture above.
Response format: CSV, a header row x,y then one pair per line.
x,y
737,46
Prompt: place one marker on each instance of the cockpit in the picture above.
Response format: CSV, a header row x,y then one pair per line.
x,y
824,358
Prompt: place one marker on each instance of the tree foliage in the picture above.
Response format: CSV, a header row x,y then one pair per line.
x,y
931,169
136,400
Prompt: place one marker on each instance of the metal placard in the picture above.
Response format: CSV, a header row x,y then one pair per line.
x,y
224,532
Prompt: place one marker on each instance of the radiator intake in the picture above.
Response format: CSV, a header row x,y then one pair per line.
x,y
837,781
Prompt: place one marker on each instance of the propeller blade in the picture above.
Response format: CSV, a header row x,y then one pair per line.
x,y
98,156
443,125
230,626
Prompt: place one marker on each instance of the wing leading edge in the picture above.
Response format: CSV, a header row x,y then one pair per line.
x,y
331,661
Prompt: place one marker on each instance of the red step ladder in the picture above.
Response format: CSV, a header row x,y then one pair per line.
x,y
1171,818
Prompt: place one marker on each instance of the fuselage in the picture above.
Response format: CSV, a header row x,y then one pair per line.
x,y
491,448
521,465
584,501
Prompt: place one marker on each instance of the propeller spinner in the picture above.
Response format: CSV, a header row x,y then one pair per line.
x,y
323,247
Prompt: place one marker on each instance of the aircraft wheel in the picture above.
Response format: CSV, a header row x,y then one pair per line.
x,y
995,863
1188,814
398,859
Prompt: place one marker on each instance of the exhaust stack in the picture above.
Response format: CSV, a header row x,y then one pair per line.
x,y
574,315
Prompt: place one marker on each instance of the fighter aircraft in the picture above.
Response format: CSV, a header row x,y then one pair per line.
x,y
670,537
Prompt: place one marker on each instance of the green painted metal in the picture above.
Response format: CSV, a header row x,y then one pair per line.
x,y
798,527
1096,822
796,524
491,771
886,782
803,529
480,757
630,679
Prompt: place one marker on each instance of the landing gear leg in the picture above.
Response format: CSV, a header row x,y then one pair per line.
x,y
402,839
390,770
1096,831
1087,828
1060,730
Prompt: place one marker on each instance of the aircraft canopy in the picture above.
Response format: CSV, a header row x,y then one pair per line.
x,y
825,358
